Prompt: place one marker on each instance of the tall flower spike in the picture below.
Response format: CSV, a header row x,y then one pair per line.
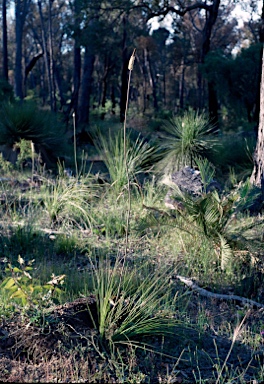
x,y
131,60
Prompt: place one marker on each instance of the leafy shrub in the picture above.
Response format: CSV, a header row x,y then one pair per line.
x,y
23,288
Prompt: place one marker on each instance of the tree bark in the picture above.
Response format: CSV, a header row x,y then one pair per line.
x,y
51,59
46,55
124,74
211,16
21,10
5,49
257,177
86,86
153,82
32,63
18,60
261,40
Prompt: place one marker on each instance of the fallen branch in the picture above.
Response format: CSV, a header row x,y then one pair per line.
x,y
220,296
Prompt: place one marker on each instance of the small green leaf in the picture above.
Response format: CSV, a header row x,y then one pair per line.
x,y
18,294
10,282
28,268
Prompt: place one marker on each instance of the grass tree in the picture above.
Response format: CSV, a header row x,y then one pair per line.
x,y
257,177
184,140
24,122
125,159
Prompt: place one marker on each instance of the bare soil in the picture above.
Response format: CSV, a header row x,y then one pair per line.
x,y
64,347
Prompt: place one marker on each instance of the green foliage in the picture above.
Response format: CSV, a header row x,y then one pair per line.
x,y
234,151
138,154
23,121
21,287
207,172
25,152
185,139
5,165
213,213
67,201
236,81
6,92
131,303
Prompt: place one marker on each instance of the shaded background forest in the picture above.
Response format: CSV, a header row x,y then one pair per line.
x,y
72,56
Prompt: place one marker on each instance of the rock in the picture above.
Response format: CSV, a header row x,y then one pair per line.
x,y
189,181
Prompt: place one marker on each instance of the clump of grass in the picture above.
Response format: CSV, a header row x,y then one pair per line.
x,y
67,201
184,140
125,159
131,303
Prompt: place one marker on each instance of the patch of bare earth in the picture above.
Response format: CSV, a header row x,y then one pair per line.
x,y
64,347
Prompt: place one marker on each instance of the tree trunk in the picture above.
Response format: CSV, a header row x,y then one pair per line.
x,y
46,56
257,177
5,51
113,100
51,60
182,83
86,86
261,40
124,74
21,10
211,17
18,60
76,75
153,82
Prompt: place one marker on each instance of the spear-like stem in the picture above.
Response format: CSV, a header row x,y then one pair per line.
x,y
74,144
130,68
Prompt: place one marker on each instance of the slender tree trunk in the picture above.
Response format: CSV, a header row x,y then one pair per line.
x,y
76,78
51,60
182,84
153,82
58,80
261,39
76,65
211,17
103,98
104,91
113,100
257,177
124,74
21,10
5,47
18,60
86,86
146,79
46,55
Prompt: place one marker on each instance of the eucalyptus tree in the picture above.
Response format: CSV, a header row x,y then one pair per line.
x,y
177,8
4,33
21,12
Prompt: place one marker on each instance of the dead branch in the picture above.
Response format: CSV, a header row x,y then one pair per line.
x,y
220,296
